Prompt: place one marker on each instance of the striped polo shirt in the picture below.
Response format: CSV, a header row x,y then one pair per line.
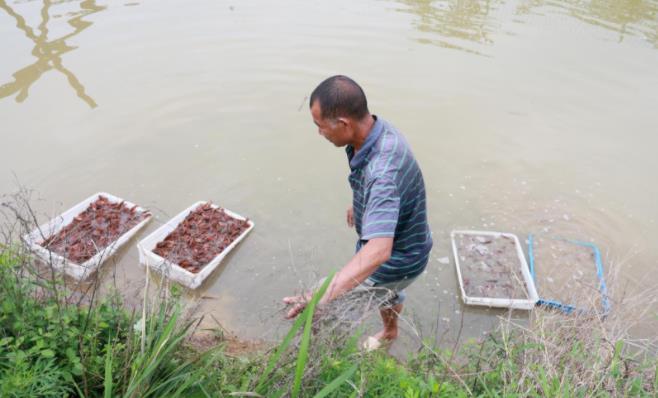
x,y
389,201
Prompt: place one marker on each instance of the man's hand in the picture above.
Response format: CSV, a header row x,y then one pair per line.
x,y
374,253
350,217
298,303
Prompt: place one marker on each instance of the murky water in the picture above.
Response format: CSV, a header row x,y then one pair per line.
x,y
526,116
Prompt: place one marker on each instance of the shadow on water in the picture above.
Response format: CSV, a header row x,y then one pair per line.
x,y
471,25
48,52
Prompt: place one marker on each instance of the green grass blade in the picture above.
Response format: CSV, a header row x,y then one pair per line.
x,y
279,351
306,337
107,383
158,351
77,390
616,362
194,374
655,378
302,356
337,382
262,380
284,344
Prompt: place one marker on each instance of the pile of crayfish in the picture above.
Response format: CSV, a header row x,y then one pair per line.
x,y
200,237
91,231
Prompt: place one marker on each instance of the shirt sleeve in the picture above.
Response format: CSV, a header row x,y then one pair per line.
x,y
382,210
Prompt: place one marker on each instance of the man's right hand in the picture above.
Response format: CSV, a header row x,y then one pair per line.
x,y
350,217
298,304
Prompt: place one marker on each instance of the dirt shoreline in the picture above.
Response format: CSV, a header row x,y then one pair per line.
x,y
233,346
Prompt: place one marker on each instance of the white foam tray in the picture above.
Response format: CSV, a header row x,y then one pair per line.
x,y
84,270
174,271
524,304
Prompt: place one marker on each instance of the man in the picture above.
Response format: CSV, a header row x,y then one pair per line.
x,y
388,205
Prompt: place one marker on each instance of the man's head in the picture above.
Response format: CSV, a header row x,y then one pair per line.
x,y
338,105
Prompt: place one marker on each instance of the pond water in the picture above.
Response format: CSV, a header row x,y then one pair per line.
x,y
526,116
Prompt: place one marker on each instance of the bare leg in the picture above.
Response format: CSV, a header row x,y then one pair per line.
x,y
390,320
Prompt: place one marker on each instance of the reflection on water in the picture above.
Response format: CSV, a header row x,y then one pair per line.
x,y
457,22
48,52
468,25
628,17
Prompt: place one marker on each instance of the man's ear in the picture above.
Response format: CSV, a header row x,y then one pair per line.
x,y
343,121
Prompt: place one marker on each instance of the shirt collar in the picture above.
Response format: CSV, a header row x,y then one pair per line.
x,y
357,161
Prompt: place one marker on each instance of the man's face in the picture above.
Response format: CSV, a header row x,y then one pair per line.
x,y
335,131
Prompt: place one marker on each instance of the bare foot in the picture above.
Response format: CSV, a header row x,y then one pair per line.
x,y
382,339
386,336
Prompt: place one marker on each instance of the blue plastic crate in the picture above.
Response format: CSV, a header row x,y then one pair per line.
x,y
565,307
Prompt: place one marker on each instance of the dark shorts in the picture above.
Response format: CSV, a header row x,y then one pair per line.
x,y
387,294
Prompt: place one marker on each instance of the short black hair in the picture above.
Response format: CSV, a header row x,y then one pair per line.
x,y
340,96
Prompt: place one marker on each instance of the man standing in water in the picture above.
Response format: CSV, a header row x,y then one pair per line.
x,y
388,203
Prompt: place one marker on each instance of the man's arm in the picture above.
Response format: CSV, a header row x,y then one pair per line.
x,y
375,253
